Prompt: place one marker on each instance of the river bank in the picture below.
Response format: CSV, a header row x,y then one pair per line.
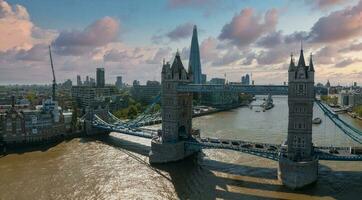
x,y
38,145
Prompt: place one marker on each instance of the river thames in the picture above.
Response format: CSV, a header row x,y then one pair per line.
x,y
116,167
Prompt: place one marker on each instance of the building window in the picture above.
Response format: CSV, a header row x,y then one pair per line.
x,y
301,89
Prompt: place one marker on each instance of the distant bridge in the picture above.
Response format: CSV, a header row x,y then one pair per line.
x,y
249,89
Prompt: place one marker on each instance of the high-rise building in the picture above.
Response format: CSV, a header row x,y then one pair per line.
x,y
100,77
146,93
119,83
92,82
203,78
79,81
194,60
86,82
245,80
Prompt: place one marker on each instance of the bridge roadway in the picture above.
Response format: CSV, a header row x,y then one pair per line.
x,y
266,150
349,130
250,89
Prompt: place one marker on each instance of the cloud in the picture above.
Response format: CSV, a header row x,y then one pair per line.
x,y
157,39
162,53
248,58
339,25
38,53
346,62
271,40
273,56
208,49
180,32
353,47
15,27
247,26
227,58
323,4
78,42
126,55
327,55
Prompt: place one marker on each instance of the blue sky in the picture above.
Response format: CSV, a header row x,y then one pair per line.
x,y
235,36
141,19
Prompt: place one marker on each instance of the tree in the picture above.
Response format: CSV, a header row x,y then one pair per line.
x,y
31,96
132,112
358,110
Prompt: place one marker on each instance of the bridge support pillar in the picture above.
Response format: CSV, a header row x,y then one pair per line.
x,y
296,175
168,152
90,130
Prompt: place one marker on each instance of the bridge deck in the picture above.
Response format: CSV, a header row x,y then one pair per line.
x,y
266,150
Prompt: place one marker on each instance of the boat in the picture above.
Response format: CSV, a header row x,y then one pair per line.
x,y
317,120
268,103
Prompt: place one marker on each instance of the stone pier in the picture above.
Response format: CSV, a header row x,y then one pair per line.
x,y
296,175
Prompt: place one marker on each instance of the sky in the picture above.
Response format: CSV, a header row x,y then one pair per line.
x,y
130,38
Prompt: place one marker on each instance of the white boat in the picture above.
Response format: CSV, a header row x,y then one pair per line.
x,y
268,103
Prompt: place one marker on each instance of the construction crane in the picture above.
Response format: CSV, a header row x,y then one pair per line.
x,y
54,82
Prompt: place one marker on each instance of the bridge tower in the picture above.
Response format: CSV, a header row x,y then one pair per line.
x,y
176,114
297,165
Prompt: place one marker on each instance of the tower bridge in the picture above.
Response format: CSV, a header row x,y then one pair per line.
x,y
298,157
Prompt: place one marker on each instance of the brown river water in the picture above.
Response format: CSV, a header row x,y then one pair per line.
x,y
116,167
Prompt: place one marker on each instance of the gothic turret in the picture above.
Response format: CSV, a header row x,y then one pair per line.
x,y
178,71
166,71
301,61
291,65
311,66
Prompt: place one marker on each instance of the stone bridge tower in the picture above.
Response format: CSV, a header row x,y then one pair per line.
x,y
297,165
176,114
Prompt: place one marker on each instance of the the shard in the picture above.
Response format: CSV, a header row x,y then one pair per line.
x,y
194,60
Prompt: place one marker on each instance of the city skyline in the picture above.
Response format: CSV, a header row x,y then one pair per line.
x,y
234,37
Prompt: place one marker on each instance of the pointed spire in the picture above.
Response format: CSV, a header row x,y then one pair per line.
x,y
194,59
177,65
291,65
311,66
301,61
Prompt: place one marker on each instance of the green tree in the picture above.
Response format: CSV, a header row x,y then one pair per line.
x,y
132,112
358,110
31,96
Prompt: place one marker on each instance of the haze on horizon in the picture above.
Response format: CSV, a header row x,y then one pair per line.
x,y
130,38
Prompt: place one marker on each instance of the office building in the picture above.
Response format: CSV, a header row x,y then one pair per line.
x,y
79,81
146,93
100,78
119,83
